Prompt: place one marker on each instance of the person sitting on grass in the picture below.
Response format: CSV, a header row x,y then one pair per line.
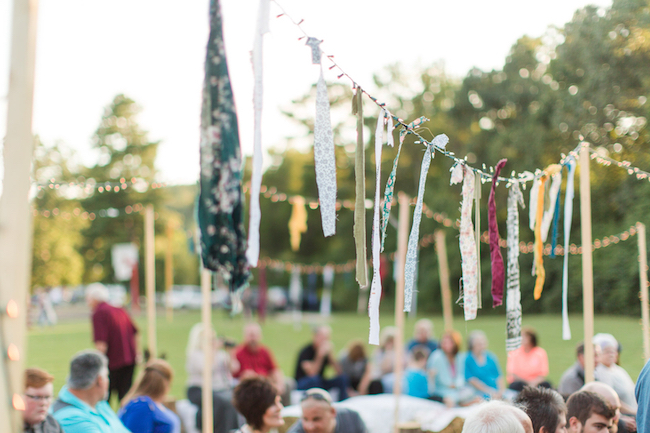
x,y
528,365
314,359
545,408
587,412
38,397
574,377
614,375
482,367
81,406
356,366
319,416
423,337
415,375
446,370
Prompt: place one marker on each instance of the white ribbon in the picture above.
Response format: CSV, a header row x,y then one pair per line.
x,y
547,219
568,215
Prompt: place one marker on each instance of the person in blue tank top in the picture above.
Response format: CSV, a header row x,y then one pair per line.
x,y
142,408
482,369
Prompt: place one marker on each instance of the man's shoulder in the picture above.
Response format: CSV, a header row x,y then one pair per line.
x,y
349,421
51,425
296,427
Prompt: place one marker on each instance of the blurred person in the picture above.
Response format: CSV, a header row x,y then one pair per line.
x,y
545,407
224,413
383,360
621,424
574,377
415,374
527,365
642,394
314,358
497,417
612,374
446,371
355,365
81,406
422,336
482,369
142,409
259,403
254,359
38,397
587,412
115,335
319,416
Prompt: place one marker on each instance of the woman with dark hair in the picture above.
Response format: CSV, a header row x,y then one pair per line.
x,y
528,365
258,401
142,407
446,370
355,366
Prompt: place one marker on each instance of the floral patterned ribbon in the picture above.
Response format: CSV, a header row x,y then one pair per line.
x,y
467,240
513,288
498,271
324,159
360,202
220,207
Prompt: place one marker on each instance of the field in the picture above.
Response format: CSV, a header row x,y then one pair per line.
x,y
51,348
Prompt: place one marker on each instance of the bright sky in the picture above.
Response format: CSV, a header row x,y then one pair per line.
x,y
153,51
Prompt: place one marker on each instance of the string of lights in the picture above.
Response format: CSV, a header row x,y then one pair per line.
x,y
92,215
89,186
607,161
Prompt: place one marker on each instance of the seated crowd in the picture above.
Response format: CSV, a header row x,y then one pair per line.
x,y
249,389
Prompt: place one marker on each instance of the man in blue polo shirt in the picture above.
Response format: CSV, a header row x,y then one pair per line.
x,y
81,406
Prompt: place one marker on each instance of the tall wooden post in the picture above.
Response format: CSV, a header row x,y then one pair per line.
x,y
15,216
150,279
445,287
402,245
206,319
169,272
643,279
587,264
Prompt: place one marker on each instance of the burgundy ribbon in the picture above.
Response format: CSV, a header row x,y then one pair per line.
x,y
498,271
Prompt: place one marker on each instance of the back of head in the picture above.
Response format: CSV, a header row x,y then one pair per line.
x,y
85,367
419,354
543,406
583,404
153,381
605,391
252,397
97,292
493,417
37,378
356,351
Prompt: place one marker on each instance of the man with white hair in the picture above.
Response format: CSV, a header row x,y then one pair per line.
x,y
609,372
115,335
498,417
319,416
422,336
81,406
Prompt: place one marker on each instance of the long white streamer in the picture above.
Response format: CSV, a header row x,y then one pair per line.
x,y
375,287
324,158
253,251
568,216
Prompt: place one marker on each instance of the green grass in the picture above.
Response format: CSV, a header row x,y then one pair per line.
x,y
51,348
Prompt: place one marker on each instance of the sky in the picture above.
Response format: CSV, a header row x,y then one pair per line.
x,y
153,51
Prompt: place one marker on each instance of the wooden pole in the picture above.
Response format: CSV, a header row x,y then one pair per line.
x,y
169,272
587,264
402,244
150,279
445,287
643,279
15,215
206,319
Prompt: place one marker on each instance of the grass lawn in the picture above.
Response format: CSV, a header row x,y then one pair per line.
x,y
51,348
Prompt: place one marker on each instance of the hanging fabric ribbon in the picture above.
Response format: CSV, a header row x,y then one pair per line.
x,y
556,220
554,171
513,289
478,188
532,204
220,207
375,286
568,217
498,271
389,130
326,298
316,53
538,266
390,184
295,288
360,202
297,222
410,265
324,159
255,215
467,241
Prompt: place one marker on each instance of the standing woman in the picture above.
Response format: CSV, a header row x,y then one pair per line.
x,y
258,401
224,413
142,408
